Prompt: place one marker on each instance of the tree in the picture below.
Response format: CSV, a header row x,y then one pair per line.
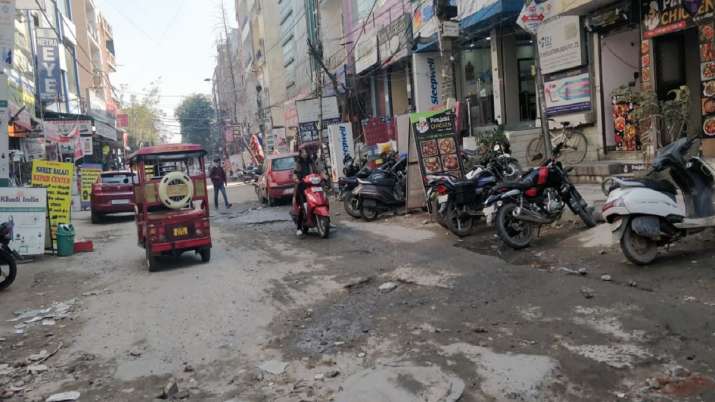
x,y
197,118
144,116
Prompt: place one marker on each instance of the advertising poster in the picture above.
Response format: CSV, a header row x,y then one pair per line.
x,y
340,137
27,209
56,177
436,142
568,92
428,81
89,173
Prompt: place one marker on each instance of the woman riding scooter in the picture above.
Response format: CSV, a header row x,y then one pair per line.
x,y
305,163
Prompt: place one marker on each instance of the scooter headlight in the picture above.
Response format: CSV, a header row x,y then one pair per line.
x,y
315,180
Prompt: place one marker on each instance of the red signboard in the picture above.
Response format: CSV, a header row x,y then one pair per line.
x,y
122,120
377,131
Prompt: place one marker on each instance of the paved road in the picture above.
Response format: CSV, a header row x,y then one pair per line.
x,y
394,310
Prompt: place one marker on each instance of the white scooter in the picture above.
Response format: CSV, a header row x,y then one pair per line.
x,y
645,212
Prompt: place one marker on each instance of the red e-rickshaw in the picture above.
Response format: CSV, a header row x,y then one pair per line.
x,y
172,205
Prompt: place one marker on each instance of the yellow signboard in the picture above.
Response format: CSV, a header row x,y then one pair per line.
x,y
56,177
89,173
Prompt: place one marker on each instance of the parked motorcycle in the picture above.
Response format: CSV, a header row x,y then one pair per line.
x,y
353,171
460,203
645,211
8,266
383,191
315,212
538,198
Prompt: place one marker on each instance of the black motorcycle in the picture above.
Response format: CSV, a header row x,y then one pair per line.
x,y
459,204
8,266
353,171
383,191
538,198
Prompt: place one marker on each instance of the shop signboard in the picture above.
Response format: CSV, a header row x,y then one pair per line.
x,y
366,50
87,145
561,44
340,137
436,140
568,92
424,21
105,130
48,62
661,17
63,131
309,114
89,173
534,13
428,86
56,177
394,40
27,209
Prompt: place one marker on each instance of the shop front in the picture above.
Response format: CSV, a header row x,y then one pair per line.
x,y
677,51
496,71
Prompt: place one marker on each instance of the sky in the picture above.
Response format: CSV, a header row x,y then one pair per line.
x,y
170,40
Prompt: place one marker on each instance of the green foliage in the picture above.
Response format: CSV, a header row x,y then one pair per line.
x,y
197,117
144,117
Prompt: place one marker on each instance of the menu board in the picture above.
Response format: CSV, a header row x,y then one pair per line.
x,y
436,140
707,60
56,177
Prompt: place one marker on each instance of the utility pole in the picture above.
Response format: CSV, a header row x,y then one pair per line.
x,y
318,54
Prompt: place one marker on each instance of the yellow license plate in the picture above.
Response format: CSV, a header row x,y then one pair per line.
x,y
182,231
177,190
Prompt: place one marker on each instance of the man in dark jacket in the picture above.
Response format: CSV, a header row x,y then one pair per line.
x,y
305,164
218,178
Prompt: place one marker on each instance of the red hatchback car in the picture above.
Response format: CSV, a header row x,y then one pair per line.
x,y
276,182
112,193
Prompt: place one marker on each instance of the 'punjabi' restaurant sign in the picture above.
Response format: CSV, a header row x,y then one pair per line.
x,y
661,17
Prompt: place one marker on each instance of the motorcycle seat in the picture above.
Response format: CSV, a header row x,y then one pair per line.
x,y
663,186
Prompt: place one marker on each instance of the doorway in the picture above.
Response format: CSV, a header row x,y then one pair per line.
x,y
677,63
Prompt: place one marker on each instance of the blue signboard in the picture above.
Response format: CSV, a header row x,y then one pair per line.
x,y
49,72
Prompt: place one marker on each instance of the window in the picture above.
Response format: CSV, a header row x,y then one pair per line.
x,y
527,83
65,8
72,85
478,82
283,164
119,178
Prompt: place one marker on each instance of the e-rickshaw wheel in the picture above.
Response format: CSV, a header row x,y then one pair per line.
x,y
151,262
205,254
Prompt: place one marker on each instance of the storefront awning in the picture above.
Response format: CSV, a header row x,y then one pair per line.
x,y
481,14
424,45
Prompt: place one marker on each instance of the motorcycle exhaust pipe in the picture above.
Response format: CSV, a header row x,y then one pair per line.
x,y
529,216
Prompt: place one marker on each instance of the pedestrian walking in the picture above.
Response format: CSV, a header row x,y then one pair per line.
x,y
218,178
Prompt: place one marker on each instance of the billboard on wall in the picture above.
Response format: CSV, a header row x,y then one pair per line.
x,y
428,86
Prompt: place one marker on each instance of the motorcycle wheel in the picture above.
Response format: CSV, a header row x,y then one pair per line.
x,y
352,205
323,225
8,271
460,226
369,214
438,217
585,213
516,233
638,249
